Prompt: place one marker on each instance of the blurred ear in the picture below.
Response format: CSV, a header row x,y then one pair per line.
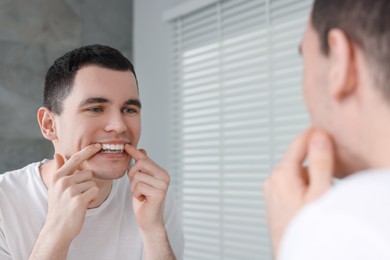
x,y
47,123
343,75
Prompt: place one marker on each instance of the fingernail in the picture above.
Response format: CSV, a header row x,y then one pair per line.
x,y
97,145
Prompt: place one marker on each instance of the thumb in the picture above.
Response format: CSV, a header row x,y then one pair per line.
x,y
59,160
321,164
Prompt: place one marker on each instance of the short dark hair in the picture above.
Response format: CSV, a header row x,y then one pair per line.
x,y
60,76
367,24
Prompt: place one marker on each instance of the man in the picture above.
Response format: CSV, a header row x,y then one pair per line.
x,y
346,54
86,203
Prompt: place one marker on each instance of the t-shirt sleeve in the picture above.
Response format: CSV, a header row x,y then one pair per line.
x,y
316,233
4,253
173,225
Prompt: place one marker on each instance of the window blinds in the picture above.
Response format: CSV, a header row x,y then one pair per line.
x,y
236,105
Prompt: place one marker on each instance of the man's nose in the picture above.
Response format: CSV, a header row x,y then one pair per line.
x,y
116,123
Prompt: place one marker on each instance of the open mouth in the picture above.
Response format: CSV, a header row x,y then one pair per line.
x,y
112,148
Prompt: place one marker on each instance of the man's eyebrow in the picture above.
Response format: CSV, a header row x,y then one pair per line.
x,y
93,100
134,102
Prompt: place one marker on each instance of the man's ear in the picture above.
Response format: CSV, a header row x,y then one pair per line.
x,y
47,123
343,76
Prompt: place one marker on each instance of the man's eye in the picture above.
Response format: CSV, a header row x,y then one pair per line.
x,y
129,110
95,109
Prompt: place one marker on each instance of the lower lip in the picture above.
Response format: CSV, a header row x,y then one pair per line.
x,y
113,155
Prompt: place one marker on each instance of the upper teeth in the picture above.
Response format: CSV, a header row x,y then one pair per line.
x,y
112,147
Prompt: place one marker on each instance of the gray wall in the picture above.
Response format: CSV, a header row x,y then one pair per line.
x,y
152,62
32,34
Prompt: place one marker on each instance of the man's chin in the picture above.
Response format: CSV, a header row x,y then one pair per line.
x,y
101,175
108,170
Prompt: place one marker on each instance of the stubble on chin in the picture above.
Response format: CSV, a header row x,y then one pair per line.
x,y
108,172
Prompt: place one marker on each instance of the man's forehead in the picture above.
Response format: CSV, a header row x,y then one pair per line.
x,y
99,80
82,92
108,91
101,76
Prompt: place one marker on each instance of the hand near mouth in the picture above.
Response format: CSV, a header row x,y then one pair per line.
x,y
69,196
149,185
292,185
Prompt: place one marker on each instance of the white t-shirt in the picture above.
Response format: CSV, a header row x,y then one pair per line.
x,y
350,222
109,232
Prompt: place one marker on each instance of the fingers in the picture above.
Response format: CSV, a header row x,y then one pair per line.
x,y
148,180
148,167
79,188
78,158
82,176
158,180
297,151
140,177
90,194
144,191
135,153
139,197
71,181
143,151
59,160
84,186
321,162
144,164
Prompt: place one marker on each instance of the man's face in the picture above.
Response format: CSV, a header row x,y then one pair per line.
x,y
315,80
325,110
102,107
316,88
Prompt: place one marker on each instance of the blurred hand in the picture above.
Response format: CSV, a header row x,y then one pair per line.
x,y
292,185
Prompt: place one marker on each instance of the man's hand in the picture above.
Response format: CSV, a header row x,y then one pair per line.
x,y
69,195
149,185
292,185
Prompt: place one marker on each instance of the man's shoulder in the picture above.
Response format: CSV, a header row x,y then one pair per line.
x,y
28,169
363,186
20,178
356,209
361,195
